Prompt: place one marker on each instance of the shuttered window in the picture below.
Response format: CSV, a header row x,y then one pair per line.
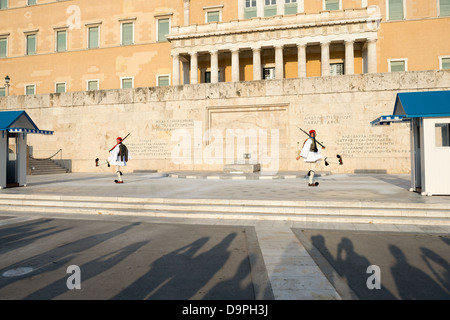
x,y
127,33
60,87
61,41
163,29
396,10
332,5
163,81
213,16
3,47
92,85
3,4
31,2
93,37
250,9
445,63
444,8
270,8
31,89
290,6
398,66
31,44
2,91
127,83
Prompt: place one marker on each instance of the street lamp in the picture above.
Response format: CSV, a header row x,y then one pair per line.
x,y
7,79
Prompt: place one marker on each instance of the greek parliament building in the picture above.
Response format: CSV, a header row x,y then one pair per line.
x,y
186,77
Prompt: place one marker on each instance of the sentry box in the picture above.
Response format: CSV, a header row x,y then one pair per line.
x,y
429,117
14,127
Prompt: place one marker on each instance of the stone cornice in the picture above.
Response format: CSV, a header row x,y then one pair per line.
x,y
275,23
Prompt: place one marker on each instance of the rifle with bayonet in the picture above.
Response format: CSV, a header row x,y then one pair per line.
x,y
106,161
310,136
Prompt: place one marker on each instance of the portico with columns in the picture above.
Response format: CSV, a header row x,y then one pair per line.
x,y
276,47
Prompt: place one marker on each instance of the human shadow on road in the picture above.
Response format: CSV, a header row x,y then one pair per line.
x,y
412,283
434,261
352,267
20,235
234,288
90,270
53,259
180,274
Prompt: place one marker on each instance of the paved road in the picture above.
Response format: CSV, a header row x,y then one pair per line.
x,y
123,260
412,266
142,258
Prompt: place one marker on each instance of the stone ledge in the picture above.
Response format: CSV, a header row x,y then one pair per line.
x,y
399,81
213,175
244,168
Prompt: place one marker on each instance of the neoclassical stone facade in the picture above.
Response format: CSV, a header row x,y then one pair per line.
x,y
348,28
205,126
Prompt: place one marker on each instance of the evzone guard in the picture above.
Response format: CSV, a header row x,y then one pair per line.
x,y
311,153
118,157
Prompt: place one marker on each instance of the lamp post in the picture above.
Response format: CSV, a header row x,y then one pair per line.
x,y
7,79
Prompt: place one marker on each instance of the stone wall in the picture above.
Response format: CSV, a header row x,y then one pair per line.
x,y
204,126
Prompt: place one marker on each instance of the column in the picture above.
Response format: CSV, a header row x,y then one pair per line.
x,y
235,65
349,57
280,8
241,9
372,55
176,69
214,66
186,12
279,64
194,68
260,8
325,58
301,60
256,63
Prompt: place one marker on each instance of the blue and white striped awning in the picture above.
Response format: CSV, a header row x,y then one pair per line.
x,y
20,130
18,122
386,120
409,105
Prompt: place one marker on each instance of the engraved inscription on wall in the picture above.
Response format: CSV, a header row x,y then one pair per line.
x,y
365,145
159,147
148,148
326,119
173,124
